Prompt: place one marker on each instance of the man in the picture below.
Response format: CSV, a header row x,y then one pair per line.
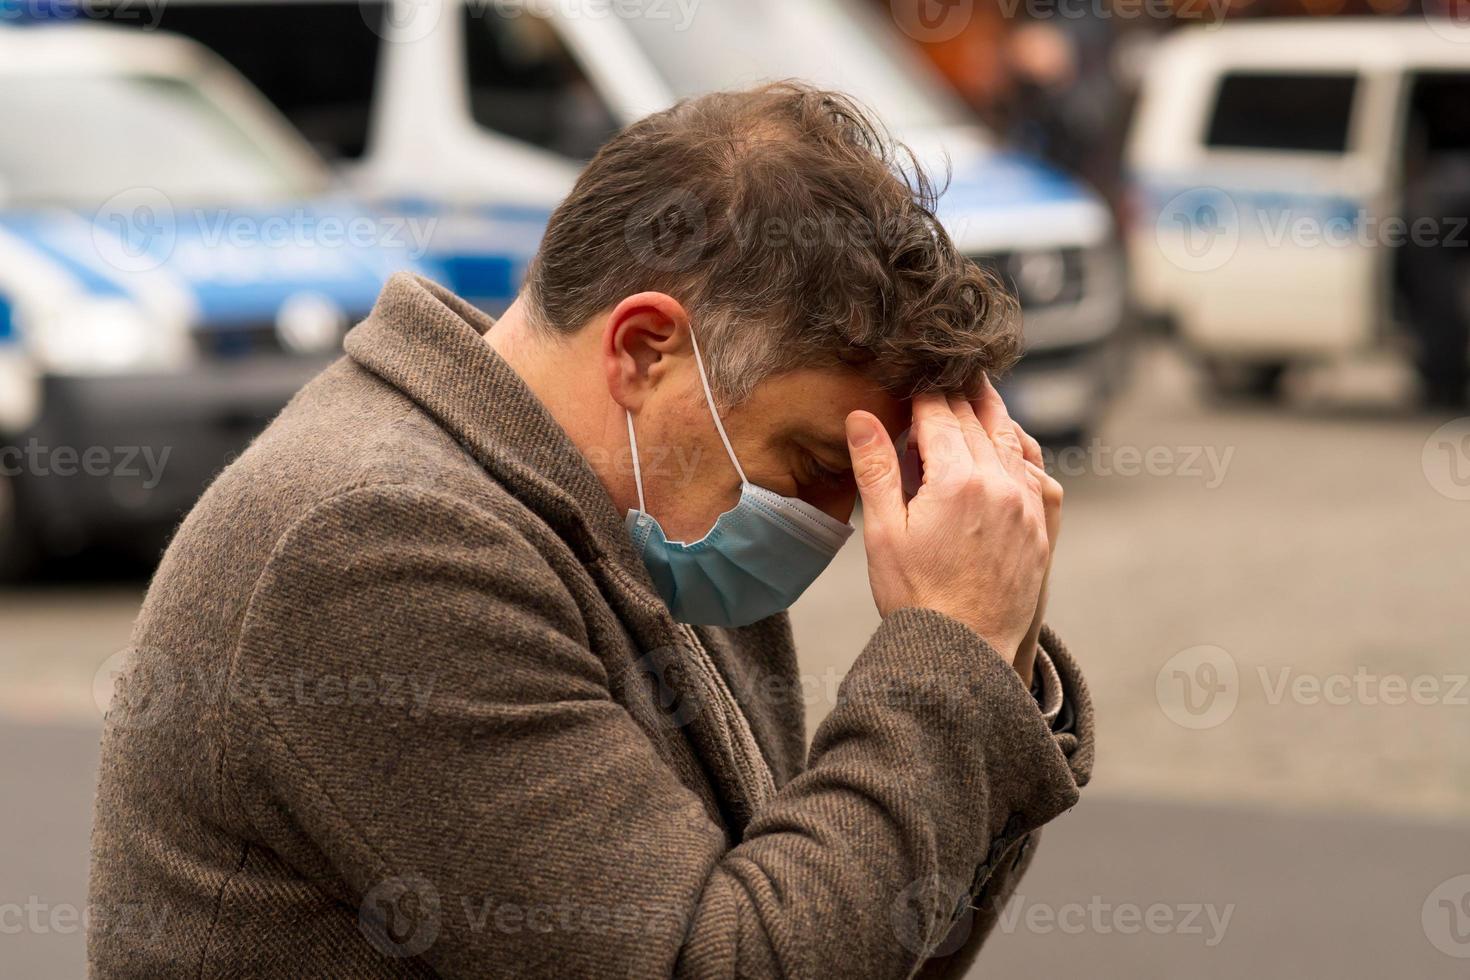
x,y
475,663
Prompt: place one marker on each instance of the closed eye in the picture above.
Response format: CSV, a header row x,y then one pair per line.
x,y
817,473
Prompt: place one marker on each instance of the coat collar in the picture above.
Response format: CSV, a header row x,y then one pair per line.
x,y
429,344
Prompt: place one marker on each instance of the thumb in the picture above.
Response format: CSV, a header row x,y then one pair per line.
x,y
875,468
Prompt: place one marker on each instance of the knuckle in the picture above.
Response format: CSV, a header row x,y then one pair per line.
x,y
946,430
975,485
877,537
872,472
1011,499
953,471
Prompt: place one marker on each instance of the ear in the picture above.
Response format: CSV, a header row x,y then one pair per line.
x,y
640,336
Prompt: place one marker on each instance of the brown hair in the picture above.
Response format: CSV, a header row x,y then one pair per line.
x,y
794,231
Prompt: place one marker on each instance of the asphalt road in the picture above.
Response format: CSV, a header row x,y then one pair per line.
x,y
1121,888
1269,603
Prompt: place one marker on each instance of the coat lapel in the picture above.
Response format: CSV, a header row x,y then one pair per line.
x,y
429,344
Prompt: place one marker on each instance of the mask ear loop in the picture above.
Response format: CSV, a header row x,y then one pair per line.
x,y
710,399
637,472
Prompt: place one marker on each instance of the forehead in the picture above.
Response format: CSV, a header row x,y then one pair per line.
x,y
814,403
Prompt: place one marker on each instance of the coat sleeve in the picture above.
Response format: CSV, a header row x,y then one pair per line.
x,y
424,729
996,880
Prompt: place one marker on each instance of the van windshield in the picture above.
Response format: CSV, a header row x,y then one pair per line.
x,y
735,43
79,139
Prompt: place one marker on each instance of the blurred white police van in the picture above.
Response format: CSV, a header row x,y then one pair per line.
x,y
480,113
173,266
1268,167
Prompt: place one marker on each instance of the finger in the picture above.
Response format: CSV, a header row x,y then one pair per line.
x,y
1030,448
942,445
992,413
976,438
910,467
1051,490
1051,500
875,469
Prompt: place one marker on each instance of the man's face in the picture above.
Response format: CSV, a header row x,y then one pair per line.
x,y
788,435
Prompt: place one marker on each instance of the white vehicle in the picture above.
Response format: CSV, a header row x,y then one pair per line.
x,y
1268,163
481,113
166,280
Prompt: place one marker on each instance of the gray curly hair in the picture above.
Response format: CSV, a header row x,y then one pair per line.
x,y
795,232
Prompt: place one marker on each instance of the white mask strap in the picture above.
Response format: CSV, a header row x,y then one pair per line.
x,y
710,400
637,472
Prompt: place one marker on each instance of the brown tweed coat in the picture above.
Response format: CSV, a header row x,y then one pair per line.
x,y
404,703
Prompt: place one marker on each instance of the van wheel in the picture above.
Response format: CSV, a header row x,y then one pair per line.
x,y
1245,380
19,553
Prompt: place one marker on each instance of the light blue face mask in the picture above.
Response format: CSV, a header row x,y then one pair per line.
x,y
757,559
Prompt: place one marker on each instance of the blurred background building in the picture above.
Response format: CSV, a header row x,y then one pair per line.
x,y
1238,229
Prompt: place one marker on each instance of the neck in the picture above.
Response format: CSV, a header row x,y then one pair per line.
x,y
564,373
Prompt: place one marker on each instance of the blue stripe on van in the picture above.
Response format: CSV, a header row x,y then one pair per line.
x,y
481,276
1254,207
43,235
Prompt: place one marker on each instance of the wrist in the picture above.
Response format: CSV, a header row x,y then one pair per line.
x,y
1025,661
1008,646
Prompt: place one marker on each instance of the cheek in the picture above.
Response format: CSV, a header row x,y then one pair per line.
x,y
836,502
689,484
